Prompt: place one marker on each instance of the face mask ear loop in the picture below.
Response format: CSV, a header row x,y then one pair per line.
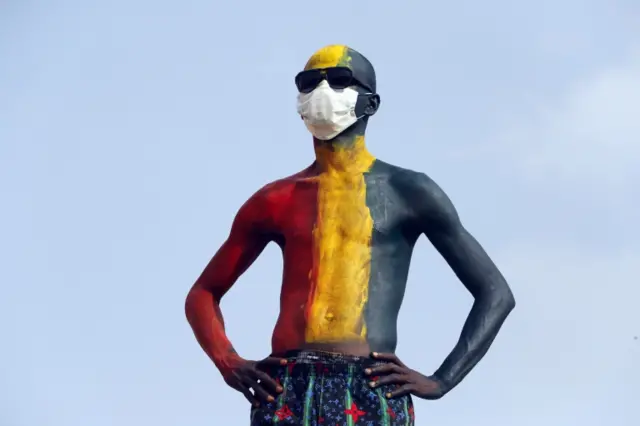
x,y
364,94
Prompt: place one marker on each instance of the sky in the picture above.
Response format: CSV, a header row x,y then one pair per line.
x,y
132,131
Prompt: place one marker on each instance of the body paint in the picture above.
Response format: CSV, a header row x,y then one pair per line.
x,y
329,57
341,247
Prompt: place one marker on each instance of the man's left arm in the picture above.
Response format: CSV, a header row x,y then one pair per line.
x,y
493,299
436,217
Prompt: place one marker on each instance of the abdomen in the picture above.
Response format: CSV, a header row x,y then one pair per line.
x,y
341,261
346,262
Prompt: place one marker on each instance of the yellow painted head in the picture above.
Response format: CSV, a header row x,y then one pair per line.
x,y
353,88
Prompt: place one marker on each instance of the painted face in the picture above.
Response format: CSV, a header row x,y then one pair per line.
x,y
330,91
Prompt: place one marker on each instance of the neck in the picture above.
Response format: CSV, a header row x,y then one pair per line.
x,y
344,154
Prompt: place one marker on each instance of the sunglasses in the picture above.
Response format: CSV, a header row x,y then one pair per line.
x,y
337,77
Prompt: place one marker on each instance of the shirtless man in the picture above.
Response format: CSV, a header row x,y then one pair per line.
x,y
347,225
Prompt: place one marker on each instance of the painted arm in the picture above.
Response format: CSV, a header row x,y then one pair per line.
x,y
244,244
493,300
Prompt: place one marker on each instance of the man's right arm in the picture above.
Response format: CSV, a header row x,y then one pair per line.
x,y
247,239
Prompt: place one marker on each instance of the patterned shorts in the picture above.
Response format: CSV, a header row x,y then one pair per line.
x,y
323,389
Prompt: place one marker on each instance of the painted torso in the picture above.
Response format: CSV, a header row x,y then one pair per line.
x,y
347,239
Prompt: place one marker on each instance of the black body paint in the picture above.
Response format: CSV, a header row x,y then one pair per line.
x,y
404,205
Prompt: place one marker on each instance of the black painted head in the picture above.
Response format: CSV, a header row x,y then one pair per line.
x,y
363,81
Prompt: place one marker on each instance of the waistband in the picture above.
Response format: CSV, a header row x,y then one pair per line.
x,y
318,362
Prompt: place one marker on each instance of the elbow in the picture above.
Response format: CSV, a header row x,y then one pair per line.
x,y
199,299
192,301
188,304
501,301
506,301
510,303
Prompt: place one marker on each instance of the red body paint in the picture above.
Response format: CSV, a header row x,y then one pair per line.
x,y
283,211
295,221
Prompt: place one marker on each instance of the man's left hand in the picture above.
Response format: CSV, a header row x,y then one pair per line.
x,y
409,381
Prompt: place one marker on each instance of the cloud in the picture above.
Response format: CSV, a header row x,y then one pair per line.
x,y
589,133
577,291
573,338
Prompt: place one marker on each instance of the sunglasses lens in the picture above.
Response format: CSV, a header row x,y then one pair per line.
x,y
339,78
306,81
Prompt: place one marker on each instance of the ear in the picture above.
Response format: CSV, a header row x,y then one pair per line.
x,y
372,106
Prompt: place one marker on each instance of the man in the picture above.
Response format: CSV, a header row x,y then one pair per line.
x,y
347,225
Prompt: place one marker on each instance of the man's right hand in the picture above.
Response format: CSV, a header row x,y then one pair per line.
x,y
250,375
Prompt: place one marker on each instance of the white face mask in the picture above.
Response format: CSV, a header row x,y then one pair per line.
x,y
327,112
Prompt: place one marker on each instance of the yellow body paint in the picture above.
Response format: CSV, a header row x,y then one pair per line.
x,y
329,56
342,246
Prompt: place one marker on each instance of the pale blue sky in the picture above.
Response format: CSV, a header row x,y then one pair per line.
x,y
131,131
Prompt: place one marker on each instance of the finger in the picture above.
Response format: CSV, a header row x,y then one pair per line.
x,y
267,381
259,392
388,357
272,361
401,391
383,369
400,379
247,394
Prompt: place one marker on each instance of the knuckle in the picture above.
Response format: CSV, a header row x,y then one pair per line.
x,y
389,379
263,375
266,376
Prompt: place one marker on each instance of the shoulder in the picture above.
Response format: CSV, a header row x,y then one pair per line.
x,y
270,199
279,191
420,192
412,185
